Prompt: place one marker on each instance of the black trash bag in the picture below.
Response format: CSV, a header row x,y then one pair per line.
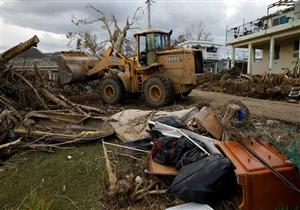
x,y
163,150
189,157
172,151
173,121
186,152
209,179
175,152
144,144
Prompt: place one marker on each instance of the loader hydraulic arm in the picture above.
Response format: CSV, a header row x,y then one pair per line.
x,y
102,64
111,58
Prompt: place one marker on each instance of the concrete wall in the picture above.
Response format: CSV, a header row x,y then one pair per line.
x,y
261,66
286,57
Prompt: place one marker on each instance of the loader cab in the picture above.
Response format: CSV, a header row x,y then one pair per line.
x,y
149,42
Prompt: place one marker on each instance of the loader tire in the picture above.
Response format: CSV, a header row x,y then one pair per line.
x,y
158,91
112,90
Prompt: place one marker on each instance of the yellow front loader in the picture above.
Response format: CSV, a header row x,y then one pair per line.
x,y
158,72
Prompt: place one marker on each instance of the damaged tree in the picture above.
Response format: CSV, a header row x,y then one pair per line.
x,y
117,34
194,32
86,41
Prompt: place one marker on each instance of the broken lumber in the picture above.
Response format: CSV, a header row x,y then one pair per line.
x,y
111,175
246,77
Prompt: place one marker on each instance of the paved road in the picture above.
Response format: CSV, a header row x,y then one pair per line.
x,y
270,109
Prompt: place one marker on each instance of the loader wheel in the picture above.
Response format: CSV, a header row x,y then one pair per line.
x,y
159,92
112,90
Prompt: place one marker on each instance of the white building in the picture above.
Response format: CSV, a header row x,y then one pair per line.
x,y
216,57
276,36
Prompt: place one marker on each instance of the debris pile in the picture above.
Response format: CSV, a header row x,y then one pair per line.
x,y
129,181
200,154
22,92
203,155
269,86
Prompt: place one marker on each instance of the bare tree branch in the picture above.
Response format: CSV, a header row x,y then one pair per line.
x,y
194,32
117,35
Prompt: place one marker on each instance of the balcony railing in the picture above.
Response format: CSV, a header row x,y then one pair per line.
x,y
257,26
245,29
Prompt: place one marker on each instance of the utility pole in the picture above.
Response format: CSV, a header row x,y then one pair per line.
x,y
148,2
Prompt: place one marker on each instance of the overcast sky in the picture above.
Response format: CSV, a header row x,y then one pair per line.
x,y
51,19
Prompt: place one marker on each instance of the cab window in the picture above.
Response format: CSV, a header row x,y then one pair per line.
x,y
150,42
161,41
143,44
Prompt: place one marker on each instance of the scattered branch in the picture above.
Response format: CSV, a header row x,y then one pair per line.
x,y
39,98
10,144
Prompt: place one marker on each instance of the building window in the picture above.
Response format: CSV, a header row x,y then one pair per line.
x,y
211,49
276,51
296,48
280,20
258,55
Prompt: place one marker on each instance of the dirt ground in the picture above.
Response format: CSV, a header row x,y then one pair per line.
x,y
263,108
289,112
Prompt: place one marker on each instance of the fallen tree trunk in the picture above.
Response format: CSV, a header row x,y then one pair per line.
x,y
18,49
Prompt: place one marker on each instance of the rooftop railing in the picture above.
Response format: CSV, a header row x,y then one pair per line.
x,y
245,29
270,21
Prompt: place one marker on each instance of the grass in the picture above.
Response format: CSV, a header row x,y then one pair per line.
x,y
66,184
36,203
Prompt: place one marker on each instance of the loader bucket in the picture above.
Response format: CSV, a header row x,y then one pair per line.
x,y
73,66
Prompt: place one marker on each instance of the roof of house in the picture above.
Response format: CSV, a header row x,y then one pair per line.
x,y
152,31
200,42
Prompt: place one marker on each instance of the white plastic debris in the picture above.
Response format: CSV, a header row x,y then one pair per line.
x,y
271,122
191,206
69,157
138,180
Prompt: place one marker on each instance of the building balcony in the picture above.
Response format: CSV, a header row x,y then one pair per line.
x,y
284,20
